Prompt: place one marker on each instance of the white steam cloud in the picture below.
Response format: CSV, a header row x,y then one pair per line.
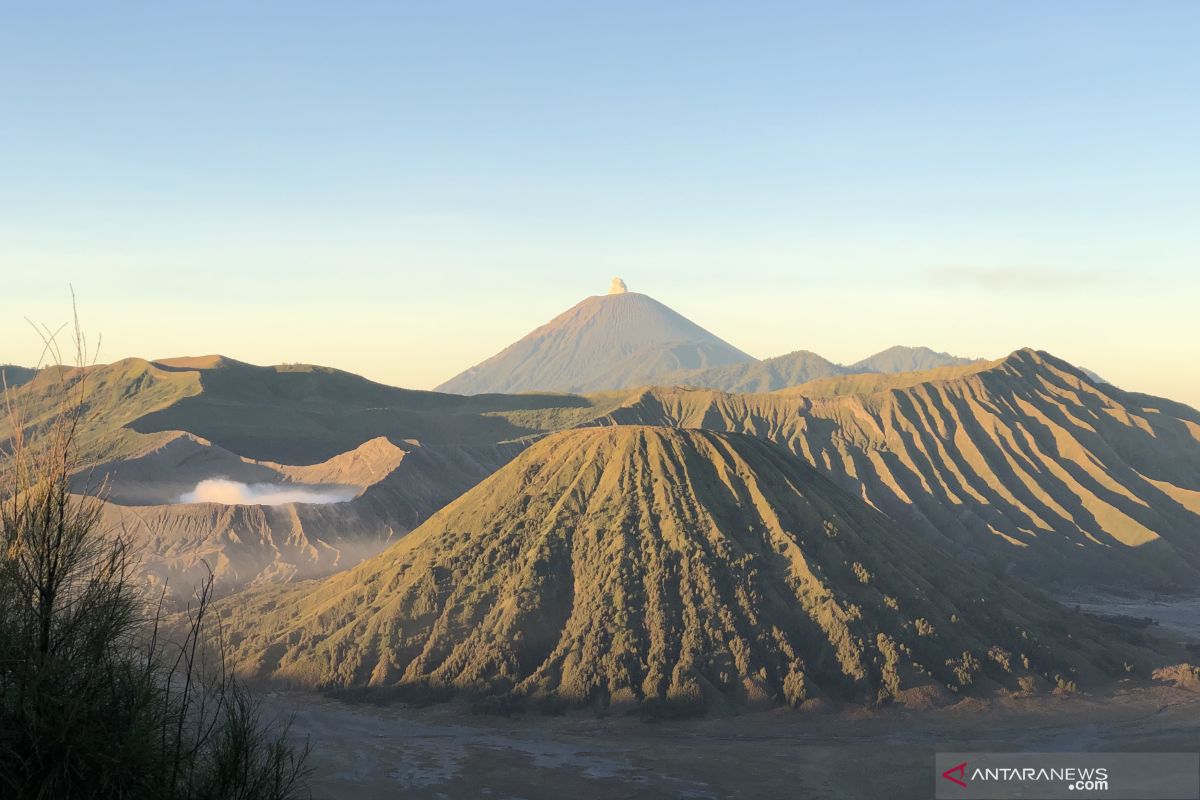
x,y
236,493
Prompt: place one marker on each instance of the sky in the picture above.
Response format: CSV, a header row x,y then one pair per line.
x,y
401,189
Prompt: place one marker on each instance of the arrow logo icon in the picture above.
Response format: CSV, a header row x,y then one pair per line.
x,y
961,769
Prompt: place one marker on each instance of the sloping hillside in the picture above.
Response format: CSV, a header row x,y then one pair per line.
x,y
1025,462
673,570
117,395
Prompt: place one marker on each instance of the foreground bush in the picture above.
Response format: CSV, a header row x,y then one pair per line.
x,y
94,700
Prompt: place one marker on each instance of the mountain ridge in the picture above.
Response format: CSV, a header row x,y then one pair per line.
x,y
625,340
1024,460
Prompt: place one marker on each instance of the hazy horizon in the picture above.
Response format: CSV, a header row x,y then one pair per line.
x,y
401,191
352,360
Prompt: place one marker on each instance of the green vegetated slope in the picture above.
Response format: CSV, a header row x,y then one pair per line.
x,y
117,394
1025,461
673,570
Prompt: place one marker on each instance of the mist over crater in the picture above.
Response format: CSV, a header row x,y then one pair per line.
x,y
227,492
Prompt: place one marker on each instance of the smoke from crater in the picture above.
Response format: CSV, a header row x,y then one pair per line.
x,y
230,493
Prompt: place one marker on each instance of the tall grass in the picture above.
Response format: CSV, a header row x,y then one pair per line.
x,y
96,701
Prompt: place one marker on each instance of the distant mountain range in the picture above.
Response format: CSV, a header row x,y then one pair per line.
x,y
1026,461
802,366
624,340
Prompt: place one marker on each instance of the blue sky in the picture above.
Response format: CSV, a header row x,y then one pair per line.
x,y
400,189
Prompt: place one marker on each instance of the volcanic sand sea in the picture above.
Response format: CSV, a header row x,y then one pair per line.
x,y
362,751
445,751
1173,615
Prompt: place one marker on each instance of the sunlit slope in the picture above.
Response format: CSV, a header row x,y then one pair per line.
x,y
116,395
1025,461
637,565
603,343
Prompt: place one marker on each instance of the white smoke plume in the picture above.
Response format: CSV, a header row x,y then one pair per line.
x,y
231,493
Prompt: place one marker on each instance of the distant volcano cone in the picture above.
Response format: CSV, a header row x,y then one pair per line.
x,y
611,341
667,568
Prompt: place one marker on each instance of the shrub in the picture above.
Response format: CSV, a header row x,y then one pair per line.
x,y
93,701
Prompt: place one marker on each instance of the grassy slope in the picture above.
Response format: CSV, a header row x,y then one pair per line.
x,y
117,395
